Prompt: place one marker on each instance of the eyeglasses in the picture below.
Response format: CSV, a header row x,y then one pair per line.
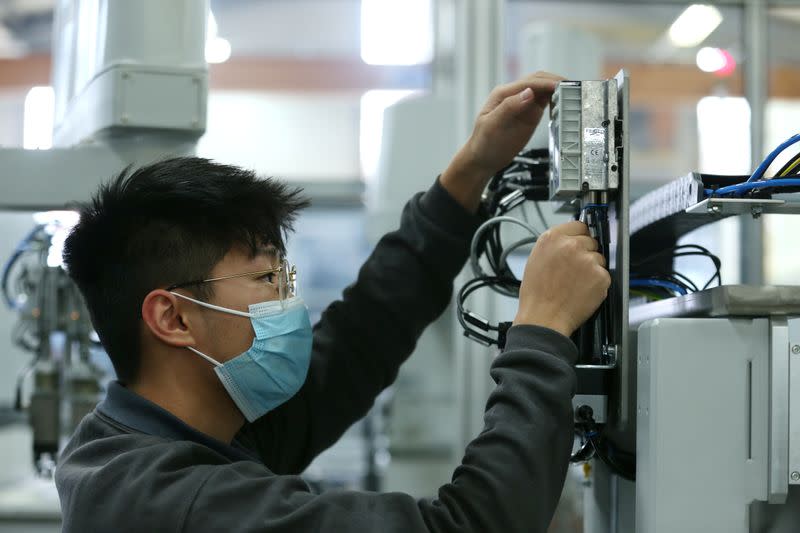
x,y
282,278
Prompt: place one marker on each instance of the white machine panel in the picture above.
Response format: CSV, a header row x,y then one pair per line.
x,y
703,423
122,64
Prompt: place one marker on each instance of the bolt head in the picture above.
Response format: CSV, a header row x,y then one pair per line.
x,y
795,476
796,349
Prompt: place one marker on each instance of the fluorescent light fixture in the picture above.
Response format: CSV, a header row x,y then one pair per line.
x,y
38,120
694,25
373,105
218,49
396,32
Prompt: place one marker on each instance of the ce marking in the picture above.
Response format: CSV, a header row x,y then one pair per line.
x,y
596,152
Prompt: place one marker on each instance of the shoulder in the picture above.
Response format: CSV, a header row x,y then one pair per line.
x,y
106,474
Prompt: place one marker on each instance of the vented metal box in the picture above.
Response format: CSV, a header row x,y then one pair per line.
x,y
585,139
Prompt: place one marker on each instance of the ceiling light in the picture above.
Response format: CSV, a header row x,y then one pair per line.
x,y
715,60
710,59
694,25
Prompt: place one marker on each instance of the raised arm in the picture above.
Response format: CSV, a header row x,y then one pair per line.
x,y
511,475
406,283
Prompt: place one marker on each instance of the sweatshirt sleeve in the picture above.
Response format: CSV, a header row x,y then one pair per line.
x,y
362,339
509,480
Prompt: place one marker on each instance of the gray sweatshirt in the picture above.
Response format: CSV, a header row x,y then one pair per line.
x,y
133,466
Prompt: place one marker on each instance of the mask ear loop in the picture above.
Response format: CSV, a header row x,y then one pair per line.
x,y
214,307
204,356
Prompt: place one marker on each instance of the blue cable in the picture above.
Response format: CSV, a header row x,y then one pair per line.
x,y
762,168
649,282
20,249
741,188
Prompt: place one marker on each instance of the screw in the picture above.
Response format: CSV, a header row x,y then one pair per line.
x,y
756,211
795,476
715,208
796,349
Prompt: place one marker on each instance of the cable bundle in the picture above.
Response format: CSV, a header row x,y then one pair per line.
x,y
595,444
787,179
524,179
650,280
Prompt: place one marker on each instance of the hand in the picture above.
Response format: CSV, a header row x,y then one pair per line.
x,y
503,128
565,280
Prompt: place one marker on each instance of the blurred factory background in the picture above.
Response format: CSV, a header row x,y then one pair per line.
x,y
299,89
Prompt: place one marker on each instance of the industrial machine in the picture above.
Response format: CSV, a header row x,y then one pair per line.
x,y
54,326
585,173
684,398
122,96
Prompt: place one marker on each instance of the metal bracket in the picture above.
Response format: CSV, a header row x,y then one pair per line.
x,y
778,463
743,206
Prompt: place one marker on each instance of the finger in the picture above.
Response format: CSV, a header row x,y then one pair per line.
x,y
587,243
543,87
512,106
543,96
606,276
573,228
598,258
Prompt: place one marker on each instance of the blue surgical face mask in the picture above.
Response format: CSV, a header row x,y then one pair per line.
x,y
275,367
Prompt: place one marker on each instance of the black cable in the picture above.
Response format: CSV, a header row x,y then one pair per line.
x,y
470,321
784,168
684,250
620,463
584,453
688,283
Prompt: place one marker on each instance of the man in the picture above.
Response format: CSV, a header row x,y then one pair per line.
x,y
225,394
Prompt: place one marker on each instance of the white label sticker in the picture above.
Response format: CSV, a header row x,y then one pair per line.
x,y
594,135
594,151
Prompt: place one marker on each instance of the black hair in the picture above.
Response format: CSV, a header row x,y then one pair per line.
x,y
165,223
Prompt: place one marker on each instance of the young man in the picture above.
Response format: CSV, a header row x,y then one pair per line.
x,y
225,393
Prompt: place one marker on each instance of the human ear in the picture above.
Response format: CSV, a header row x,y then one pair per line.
x,y
165,317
